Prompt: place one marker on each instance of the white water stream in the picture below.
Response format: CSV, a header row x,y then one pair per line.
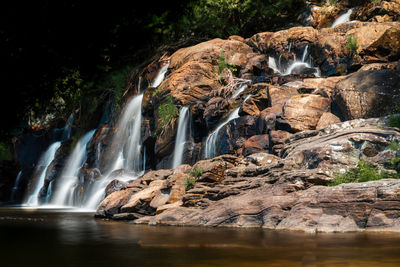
x,y
44,163
64,194
181,136
345,17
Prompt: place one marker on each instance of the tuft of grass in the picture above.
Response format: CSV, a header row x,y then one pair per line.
x,y
155,92
167,111
222,62
189,183
352,44
196,172
394,145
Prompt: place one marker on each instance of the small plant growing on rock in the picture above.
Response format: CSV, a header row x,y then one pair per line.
x,y
189,183
193,175
365,172
196,172
222,62
352,44
167,111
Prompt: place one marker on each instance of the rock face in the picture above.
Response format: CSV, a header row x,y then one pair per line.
x,y
368,94
273,192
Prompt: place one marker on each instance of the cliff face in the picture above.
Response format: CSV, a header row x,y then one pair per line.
x,y
273,119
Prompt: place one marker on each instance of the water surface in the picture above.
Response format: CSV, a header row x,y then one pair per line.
x,y
64,238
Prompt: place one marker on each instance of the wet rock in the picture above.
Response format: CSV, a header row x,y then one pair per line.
x,y
368,94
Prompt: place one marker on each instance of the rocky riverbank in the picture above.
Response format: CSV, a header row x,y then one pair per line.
x,y
272,120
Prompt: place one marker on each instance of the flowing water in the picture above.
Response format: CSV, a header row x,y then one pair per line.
x,y
59,238
296,66
43,165
181,136
211,141
64,194
345,17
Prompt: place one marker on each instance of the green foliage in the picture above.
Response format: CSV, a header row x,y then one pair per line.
x,y
115,81
375,2
189,183
221,18
167,111
364,172
352,44
394,145
5,152
222,62
196,172
332,2
156,91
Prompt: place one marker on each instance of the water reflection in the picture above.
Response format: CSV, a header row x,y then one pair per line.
x,y
51,237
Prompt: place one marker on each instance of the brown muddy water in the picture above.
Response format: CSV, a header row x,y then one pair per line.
x,y
73,238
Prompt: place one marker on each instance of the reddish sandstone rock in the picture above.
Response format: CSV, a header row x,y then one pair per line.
x,y
303,112
256,143
327,119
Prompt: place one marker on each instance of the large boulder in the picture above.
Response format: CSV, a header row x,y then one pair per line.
x,y
368,94
303,112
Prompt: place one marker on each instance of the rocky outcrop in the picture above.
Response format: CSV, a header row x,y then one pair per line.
x,y
368,94
263,190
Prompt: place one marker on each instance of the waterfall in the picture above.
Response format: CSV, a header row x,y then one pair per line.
x,y
211,141
239,91
342,18
181,136
68,179
304,63
16,186
43,165
128,137
160,76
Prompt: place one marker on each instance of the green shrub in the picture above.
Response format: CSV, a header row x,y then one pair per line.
x,y
189,183
332,2
394,145
167,111
222,62
196,172
364,172
352,44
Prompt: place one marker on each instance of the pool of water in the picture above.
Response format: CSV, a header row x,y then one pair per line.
x,y
72,238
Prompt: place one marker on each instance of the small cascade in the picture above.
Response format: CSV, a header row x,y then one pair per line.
x,y
296,66
129,154
345,17
68,179
43,165
181,136
16,186
160,76
211,141
240,90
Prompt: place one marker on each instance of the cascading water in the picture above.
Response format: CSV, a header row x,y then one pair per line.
x,y
44,162
160,76
241,88
16,186
295,66
181,136
211,141
129,155
64,194
343,18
